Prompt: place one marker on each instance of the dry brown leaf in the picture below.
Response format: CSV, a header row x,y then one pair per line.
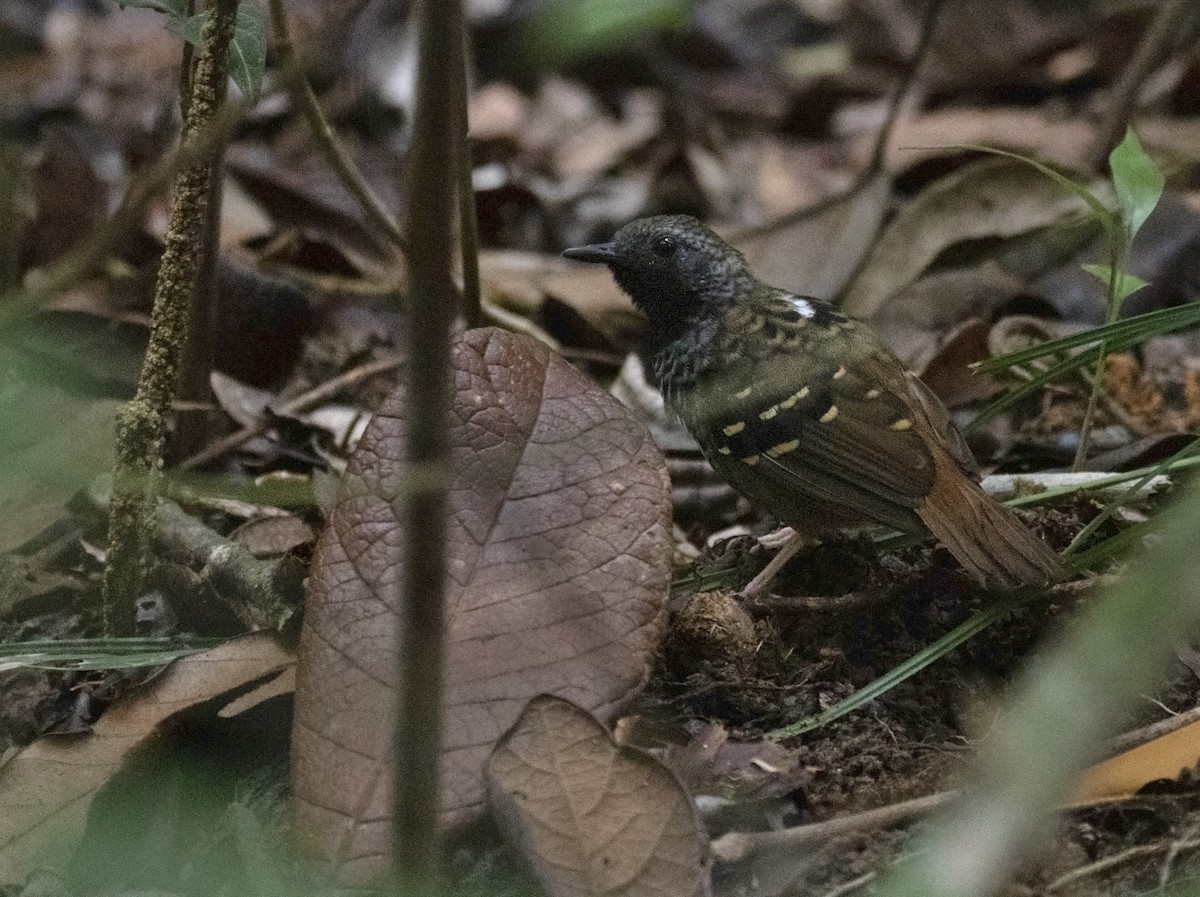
x,y
521,281
989,198
560,549
1033,132
46,790
589,816
916,318
949,373
815,254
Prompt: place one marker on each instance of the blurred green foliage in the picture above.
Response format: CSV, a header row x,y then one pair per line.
x,y
564,31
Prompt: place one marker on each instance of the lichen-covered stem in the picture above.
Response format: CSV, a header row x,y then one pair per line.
x,y
141,425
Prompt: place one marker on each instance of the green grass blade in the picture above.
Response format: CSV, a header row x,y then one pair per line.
x,y
1097,208
1116,337
100,654
1127,332
961,634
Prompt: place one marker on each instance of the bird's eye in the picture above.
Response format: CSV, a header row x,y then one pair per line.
x,y
664,246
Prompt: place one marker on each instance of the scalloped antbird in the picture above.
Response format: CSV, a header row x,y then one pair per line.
x,y
805,411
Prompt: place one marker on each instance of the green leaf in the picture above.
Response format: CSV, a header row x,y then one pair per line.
x,y
100,654
1126,283
563,30
247,49
1137,181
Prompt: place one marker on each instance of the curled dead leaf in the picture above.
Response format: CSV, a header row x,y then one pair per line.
x,y
589,816
989,198
47,789
559,559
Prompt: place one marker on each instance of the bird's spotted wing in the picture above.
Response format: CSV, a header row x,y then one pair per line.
x,y
807,406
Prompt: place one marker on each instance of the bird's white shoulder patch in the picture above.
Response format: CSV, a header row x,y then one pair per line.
x,y
803,306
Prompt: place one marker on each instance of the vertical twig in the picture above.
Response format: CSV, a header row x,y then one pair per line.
x,y
929,20
141,424
1165,30
10,221
472,309
432,302
1117,250
194,419
335,154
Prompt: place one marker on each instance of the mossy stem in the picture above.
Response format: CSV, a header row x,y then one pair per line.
x,y
141,424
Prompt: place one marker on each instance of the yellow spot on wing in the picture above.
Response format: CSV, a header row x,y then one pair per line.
x,y
872,394
743,394
783,448
751,460
734,429
829,415
903,424
839,373
793,399
769,413
725,450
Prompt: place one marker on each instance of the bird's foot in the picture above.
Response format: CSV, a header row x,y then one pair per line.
x,y
792,543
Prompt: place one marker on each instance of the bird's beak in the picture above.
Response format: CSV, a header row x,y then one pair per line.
x,y
603,253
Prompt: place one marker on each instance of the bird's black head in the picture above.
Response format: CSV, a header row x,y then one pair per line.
x,y
672,266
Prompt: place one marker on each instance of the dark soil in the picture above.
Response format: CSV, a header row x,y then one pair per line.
x,y
916,739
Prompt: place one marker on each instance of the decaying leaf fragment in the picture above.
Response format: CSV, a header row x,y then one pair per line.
x,y
559,560
47,789
589,816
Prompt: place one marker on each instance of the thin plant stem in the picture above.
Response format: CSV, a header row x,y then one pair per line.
x,y
141,424
468,224
1113,506
1169,27
1116,253
327,140
194,426
432,307
929,20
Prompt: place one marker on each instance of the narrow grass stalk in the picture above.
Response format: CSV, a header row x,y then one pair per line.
x,y
1116,256
1067,703
99,654
956,637
468,224
326,139
432,308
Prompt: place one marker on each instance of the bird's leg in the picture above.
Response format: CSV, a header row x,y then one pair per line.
x,y
757,586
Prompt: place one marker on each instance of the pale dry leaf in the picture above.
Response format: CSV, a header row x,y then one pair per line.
x,y
816,254
988,198
559,560
46,789
521,282
1028,131
590,817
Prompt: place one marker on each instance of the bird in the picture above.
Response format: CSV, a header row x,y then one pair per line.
x,y
805,411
